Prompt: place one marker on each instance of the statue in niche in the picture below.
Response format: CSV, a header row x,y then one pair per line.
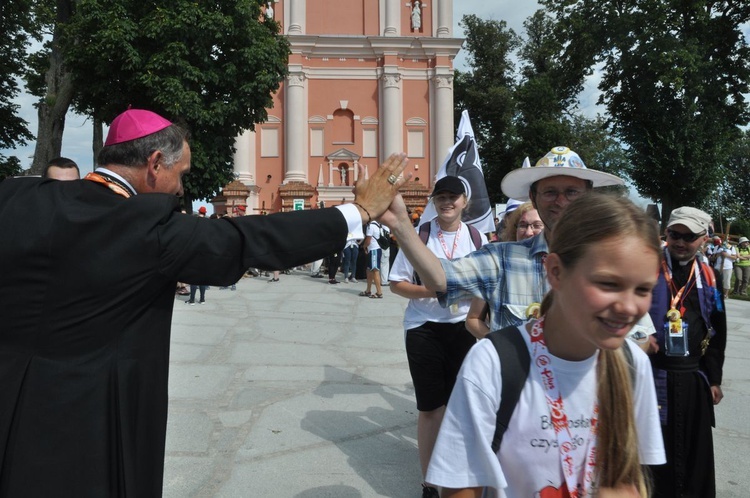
x,y
269,10
416,15
342,170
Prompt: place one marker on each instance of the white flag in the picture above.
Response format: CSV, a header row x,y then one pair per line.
x,y
463,161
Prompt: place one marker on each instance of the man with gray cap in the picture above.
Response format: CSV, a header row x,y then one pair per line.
x,y
509,276
687,356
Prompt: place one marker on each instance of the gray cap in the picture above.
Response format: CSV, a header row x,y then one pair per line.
x,y
696,220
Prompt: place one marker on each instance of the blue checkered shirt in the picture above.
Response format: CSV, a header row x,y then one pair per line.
x,y
509,276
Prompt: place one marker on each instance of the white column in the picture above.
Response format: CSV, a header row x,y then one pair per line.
x,y
392,18
295,116
244,157
391,119
297,14
444,18
443,122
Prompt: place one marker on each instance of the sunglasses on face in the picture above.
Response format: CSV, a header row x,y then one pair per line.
x,y
687,237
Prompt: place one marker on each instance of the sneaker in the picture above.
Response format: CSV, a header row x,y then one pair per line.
x,y
317,275
333,281
353,280
203,302
191,303
429,492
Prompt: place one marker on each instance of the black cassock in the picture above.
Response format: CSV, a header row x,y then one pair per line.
x,y
87,285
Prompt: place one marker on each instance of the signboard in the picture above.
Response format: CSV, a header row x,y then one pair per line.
x,y
298,205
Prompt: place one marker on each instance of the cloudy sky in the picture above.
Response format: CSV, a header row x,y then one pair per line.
x,y
77,137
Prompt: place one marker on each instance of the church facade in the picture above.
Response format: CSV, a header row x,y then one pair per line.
x,y
366,78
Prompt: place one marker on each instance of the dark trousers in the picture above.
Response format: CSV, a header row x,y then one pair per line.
x,y
334,260
194,288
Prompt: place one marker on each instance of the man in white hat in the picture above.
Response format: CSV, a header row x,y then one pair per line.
x,y
742,266
687,356
509,276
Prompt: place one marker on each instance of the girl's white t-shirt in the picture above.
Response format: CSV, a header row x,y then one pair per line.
x,y
422,310
528,461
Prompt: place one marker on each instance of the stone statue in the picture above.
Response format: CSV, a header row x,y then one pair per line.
x,y
269,10
342,170
416,15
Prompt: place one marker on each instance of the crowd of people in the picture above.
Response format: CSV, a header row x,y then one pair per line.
x,y
560,400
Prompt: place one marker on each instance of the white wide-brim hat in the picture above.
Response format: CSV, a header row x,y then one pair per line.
x,y
560,161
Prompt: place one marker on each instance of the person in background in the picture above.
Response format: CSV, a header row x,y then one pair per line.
x,y
722,256
374,255
523,223
193,289
742,267
687,356
604,255
351,253
61,168
436,337
202,211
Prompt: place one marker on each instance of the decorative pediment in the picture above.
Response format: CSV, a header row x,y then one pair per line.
x,y
343,154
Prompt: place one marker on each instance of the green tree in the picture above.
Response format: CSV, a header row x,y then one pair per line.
x,y
486,91
16,27
674,75
210,66
733,199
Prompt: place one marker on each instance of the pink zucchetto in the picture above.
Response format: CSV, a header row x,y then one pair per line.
x,y
134,123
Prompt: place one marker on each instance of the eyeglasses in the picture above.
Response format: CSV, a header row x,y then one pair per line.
x,y
537,226
551,195
687,237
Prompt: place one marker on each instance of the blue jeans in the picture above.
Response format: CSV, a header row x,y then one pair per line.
x,y
349,263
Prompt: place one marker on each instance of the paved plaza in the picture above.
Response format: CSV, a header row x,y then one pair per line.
x,y
301,389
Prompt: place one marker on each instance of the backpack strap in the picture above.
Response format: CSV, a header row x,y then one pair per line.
x,y
515,362
424,232
475,237
514,369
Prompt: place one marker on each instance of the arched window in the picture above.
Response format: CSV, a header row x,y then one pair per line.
x,y
343,126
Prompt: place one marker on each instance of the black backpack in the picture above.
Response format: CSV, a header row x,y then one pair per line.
x,y
514,369
383,240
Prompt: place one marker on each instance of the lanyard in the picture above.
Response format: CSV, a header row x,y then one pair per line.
x,y
442,242
702,298
679,296
113,184
567,449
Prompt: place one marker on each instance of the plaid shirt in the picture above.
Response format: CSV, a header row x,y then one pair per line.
x,y
509,276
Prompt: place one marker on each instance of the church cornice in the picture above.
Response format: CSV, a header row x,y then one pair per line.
x,y
373,46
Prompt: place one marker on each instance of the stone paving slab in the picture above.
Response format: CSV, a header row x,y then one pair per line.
x,y
301,389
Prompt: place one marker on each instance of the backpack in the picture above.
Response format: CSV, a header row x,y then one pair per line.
x,y
514,369
383,240
424,235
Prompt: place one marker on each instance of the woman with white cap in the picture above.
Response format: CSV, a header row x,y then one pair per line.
x,y
436,337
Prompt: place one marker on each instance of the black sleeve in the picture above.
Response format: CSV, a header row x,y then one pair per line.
x,y
712,362
218,252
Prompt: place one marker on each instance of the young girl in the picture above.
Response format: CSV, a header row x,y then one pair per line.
x,y
436,339
580,428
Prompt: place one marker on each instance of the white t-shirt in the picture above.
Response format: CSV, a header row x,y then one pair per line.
x,y
373,231
528,460
723,261
422,310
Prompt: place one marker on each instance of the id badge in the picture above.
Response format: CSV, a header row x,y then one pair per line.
x,y
676,334
454,309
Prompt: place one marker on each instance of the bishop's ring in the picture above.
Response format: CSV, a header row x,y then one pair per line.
x,y
392,179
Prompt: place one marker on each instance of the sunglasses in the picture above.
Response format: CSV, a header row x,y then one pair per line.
x,y
687,237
